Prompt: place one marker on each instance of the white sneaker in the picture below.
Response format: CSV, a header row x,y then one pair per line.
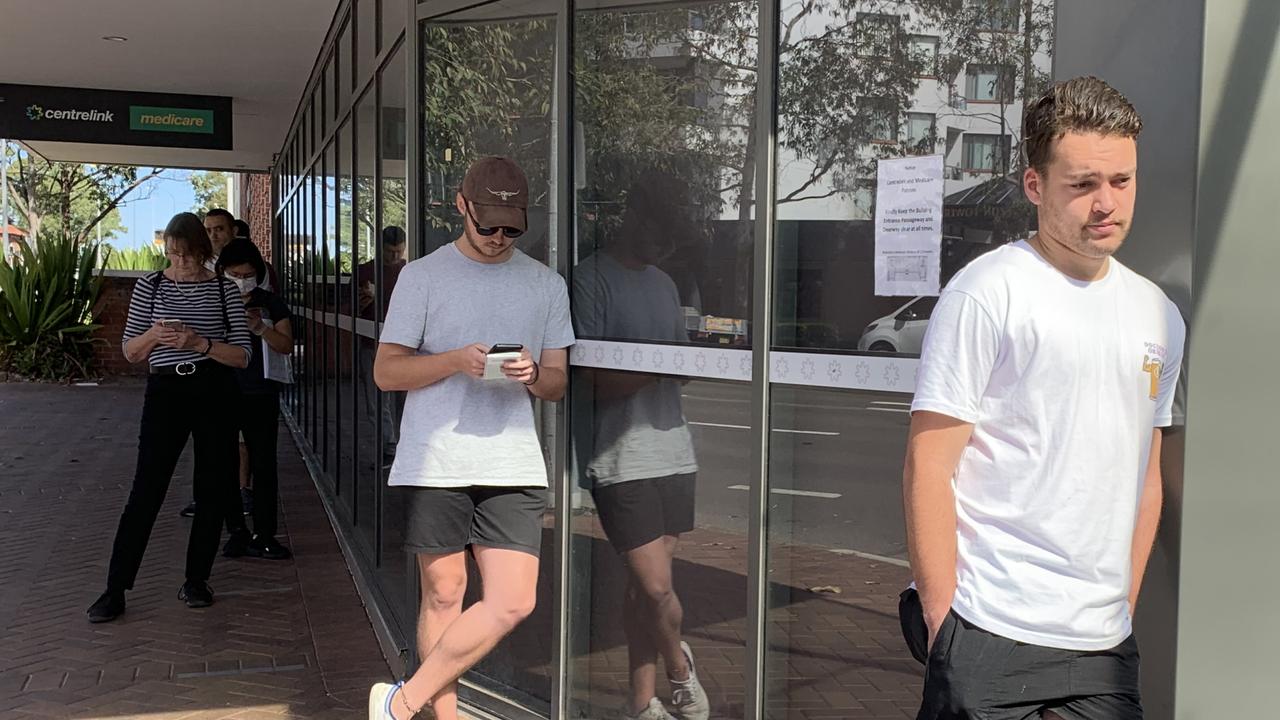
x,y
688,699
654,711
380,696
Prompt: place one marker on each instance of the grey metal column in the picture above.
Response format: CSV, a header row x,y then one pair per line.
x,y
766,123
561,252
1227,624
413,211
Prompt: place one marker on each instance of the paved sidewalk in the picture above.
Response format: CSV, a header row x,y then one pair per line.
x,y
283,639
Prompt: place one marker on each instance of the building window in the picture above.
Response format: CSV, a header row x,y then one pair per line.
x,y
998,15
875,35
921,130
988,83
882,120
985,153
923,53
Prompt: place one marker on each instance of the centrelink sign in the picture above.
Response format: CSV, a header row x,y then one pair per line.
x,y
113,117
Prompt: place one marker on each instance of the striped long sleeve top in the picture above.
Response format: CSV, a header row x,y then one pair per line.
x,y
212,308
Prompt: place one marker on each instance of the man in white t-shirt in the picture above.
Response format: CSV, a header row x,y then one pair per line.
x,y
1032,479
468,454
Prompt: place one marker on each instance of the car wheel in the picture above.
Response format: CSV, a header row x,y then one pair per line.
x,y
882,346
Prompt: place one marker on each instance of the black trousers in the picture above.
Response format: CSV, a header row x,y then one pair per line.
x,y
259,418
175,408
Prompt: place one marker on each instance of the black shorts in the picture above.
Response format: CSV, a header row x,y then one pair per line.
x,y
972,673
637,512
442,521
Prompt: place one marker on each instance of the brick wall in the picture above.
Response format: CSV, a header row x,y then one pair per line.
x,y
110,312
256,210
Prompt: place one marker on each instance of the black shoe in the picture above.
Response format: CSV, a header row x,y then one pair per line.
x,y
106,608
267,548
189,510
246,500
237,544
196,594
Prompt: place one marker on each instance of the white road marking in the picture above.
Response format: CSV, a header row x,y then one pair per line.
x,y
801,493
781,430
872,556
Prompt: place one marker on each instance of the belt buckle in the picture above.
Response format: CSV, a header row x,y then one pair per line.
x,y
191,368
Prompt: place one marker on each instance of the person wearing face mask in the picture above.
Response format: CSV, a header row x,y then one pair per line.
x,y
258,407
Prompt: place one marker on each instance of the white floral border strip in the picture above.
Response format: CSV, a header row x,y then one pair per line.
x,y
850,372
702,362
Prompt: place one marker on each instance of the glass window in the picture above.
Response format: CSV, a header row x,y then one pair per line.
x,y
512,116
923,53
326,108
845,350
344,341
391,21
364,278
882,120
875,35
988,83
394,566
999,15
985,153
921,131
665,98
366,39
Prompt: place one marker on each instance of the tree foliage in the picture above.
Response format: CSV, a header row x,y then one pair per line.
x,y
54,200
210,189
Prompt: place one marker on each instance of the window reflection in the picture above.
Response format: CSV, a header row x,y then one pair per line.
x,y
921,78
954,76
671,93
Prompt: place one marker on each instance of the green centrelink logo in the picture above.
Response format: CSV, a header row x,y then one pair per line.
x,y
37,112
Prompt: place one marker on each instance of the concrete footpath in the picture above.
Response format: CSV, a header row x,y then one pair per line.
x,y
284,639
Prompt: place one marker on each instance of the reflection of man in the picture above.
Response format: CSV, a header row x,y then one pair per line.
x,y
394,245
643,466
1032,478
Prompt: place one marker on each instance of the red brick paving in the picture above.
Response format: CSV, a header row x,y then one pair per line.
x,y
283,639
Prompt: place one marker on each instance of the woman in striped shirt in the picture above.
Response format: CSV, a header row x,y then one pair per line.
x,y
189,325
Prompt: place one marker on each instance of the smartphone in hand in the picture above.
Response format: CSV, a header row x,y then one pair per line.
x,y
499,354
173,325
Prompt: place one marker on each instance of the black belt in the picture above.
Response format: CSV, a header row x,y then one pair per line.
x,y
186,368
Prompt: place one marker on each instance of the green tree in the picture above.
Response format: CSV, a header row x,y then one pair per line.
x,y
69,200
210,189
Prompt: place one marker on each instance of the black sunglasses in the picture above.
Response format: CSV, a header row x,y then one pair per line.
x,y
508,231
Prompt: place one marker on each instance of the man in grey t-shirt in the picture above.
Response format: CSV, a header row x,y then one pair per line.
x,y
468,448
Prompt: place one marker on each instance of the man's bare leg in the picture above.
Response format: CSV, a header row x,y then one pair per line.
x,y
510,582
656,613
642,654
444,582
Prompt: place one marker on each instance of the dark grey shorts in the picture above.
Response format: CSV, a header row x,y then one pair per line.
x,y
972,673
637,512
442,521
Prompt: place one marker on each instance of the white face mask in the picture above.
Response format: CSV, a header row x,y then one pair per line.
x,y
246,285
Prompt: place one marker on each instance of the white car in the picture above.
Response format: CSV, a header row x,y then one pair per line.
x,y
901,331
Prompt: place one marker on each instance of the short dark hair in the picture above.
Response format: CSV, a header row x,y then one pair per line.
x,y
242,229
187,229
242,251
1083,104
219,212
393,235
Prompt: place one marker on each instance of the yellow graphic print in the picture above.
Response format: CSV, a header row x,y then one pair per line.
x,y
1151,366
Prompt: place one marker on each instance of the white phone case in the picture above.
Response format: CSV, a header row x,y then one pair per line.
x,y
493,364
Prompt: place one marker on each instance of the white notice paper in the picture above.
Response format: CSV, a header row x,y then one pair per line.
x,y
909,226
